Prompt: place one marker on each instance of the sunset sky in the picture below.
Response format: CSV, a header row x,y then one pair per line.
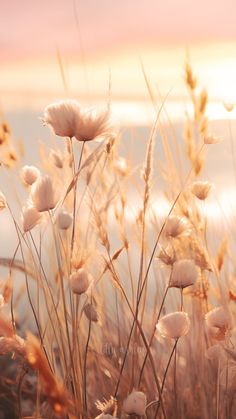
x,y
96,38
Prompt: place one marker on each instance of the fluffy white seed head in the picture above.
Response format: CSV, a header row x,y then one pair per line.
x,y
79,281
218,317
43,194
174,325
135,403
201,189
184,273
30,218
175,226
29,174
92,124
64,220
62,117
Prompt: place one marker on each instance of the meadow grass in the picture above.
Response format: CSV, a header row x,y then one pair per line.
x,y
126,312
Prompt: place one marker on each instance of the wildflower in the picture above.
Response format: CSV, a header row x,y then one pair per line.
x,y
79,281
135,403
29,174
201,189
92,124
3,202
64,220
30,218
63,116
174,325
43,194
175,226
184,273
218,321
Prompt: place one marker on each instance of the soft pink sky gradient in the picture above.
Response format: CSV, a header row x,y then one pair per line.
x,y
33,28
96,38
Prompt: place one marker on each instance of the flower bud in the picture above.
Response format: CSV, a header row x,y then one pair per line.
x,y
135,403
79,281
184,273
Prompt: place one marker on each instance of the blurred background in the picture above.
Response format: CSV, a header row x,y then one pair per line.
x,y
56,48
96,50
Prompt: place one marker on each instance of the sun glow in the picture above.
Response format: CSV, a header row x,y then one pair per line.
x,y
34,83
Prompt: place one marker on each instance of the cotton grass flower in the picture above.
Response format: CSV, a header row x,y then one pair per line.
x,y
135,403
68,119
175,227
63,117
43,194
29,174
201,189
174,325
184,273
218,317
79,281
30,218
93,124
64,220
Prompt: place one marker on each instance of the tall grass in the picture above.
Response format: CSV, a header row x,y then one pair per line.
x,y
97,270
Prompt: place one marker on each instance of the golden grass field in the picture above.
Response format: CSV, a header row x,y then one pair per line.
x,y
111,306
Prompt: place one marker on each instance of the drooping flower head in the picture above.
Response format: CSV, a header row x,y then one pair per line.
x,y
68,119
92,124
43,194
201,189
175,226
63,117
174,325
218,322
184,273
30,218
